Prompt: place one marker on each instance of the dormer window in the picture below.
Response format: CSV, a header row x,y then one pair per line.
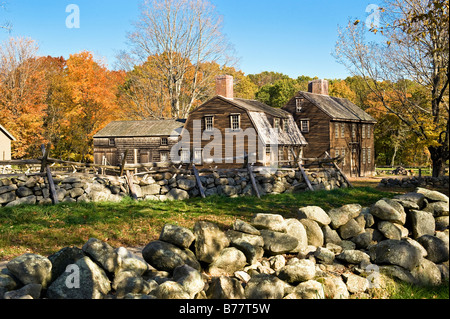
x,y
276,123
112,142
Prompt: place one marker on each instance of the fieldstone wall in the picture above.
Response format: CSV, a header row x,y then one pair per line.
x,y
161,186
411,182
347,252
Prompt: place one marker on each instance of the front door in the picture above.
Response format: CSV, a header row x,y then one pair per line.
x,y
354,161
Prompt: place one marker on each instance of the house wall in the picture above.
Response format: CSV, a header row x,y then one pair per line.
x,y
5,147
148,149
318,136
221,110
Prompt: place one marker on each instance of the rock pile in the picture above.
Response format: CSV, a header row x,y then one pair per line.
x,y
347,252
160,186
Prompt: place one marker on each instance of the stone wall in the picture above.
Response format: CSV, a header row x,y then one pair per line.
x,y
160,186
411,182
347,252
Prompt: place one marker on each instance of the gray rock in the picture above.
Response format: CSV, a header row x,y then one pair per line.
x,y
152,189
33,290
277,262
7,197
177,235
340,216
76,192
296,229
330,236
414,197
29,200
103,254
210,241
229,261
368,237
276,243
314,213
177,194
397,272
190,278
341,291
240,225
310,289
24,191
390,210
422,223
395,252
8,188
356,284
64,257
390,230
302,270
31,269
432,195
350,229
237,237
273,222
186,184
225,288
165,256
427,273
437,250
313,232
86,280
442,223
7,283
251,252
171,290
126,282
353,256
264,286
437,209
324,255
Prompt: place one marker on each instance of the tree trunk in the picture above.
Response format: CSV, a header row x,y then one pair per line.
x,y
438,157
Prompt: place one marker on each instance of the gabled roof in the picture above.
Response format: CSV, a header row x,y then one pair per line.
x,y
338,108
258,112
9,135
142,128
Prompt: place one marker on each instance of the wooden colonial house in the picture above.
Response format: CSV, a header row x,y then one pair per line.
x,y
5,144
146,141
334,125
268,136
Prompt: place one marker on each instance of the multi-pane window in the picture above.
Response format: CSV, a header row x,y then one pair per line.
x,y
209,123
164,156
112,142
364,156
185,156
164,141
363,133
369,155
198,155
336,153
304,126
342,130
276,123
336,130
235,122
285,125
368,131
343,155
298,105
354,131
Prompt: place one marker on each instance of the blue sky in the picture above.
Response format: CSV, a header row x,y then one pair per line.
x,y
294,37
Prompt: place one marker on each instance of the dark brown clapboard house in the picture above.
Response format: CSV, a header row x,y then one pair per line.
x,y
235,116
334,125
146,141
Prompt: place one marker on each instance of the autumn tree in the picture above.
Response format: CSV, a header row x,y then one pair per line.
x,y
22,95
181,36
413,45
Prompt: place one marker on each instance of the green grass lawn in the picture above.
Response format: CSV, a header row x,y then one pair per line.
x,y
46,229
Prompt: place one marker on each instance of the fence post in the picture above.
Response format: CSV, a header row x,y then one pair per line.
x,y
45,167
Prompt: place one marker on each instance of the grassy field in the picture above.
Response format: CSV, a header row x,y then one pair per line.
x,y
46,229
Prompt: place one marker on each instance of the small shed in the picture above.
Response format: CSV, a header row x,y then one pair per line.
x,y
146,141
5,144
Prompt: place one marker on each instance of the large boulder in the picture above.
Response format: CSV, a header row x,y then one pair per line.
x,y
31,269
314,213
84,280
177,235
63,258
210,241
422,223
177,194
313,232
265,286
225,287
190,278
242,226
273,222
437,249
395,252
229,261
390,210
340,216
165,256
103,254
276,243
302,270
431,195
296,229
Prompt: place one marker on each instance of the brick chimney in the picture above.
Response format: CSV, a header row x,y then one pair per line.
x,y
318,87
224,86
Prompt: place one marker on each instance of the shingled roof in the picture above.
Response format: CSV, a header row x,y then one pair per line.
x,y
142,128
338,108
5,131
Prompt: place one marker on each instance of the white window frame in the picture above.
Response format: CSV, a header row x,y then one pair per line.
x,y
363,133
198,156
233,122
298,105
164,141
209,123
353,130
276,123
336,130
185,156
343,154
164,154
336,153
369,155
302,122
342,130
364,156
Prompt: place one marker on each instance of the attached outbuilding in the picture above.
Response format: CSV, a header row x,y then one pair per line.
x,y
5,144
